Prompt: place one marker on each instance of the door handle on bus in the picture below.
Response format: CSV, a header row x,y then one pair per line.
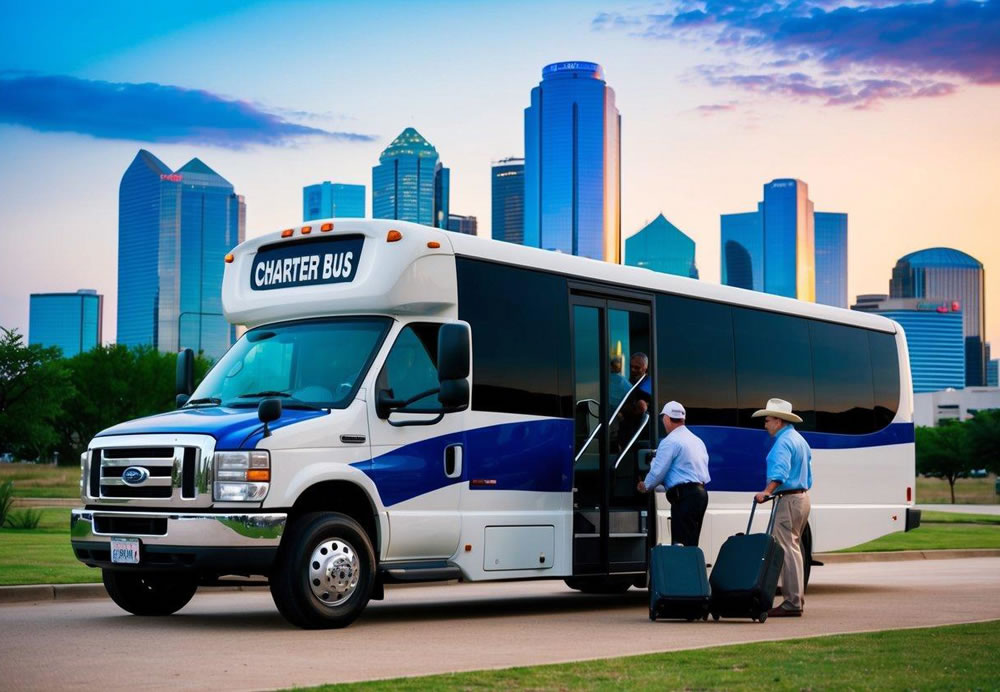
x,y
453,461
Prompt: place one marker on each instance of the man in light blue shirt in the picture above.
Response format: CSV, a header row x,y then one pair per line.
x,y
789,475
681,464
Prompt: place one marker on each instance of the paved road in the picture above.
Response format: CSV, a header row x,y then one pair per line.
x,y
965,509
238,641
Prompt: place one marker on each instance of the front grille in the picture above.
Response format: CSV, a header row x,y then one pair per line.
x,y
163,472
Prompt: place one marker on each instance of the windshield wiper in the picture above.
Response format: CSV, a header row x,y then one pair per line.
x,y
292,401
207,400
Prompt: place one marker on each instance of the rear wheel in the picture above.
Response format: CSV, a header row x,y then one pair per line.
x,y
149,593
325,571
807,556
600,585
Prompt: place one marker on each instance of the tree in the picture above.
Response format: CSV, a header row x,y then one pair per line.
x,y
34,383
943,452
984,440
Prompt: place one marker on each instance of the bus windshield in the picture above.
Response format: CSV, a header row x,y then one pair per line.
x,y
310,364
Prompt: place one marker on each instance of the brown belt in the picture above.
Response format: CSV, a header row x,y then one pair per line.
x,y
791,492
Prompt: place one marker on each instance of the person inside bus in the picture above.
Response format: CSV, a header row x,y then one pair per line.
x,y
618,384
637,402
789,474
681,464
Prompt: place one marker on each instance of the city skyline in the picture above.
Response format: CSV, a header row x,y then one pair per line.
x,y
907,163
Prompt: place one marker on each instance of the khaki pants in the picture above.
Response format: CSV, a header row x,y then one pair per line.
x,y
789,523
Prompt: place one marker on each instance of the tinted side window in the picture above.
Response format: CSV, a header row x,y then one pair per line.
x,y
697,365
773,359
411,366
842,375
885,377
520,338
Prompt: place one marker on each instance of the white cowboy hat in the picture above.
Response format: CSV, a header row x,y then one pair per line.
x,y
779,408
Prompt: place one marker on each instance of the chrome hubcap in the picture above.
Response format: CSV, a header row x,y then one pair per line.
x,y
334,571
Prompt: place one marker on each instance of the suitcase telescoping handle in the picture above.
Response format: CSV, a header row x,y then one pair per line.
x,y
774,510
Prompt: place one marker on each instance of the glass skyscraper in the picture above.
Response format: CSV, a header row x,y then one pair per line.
x,y
409,183
942,273
508,200
831,258
463,224
786,247
572,163
934,338
662,247
993,373
71,321
174,230
327,200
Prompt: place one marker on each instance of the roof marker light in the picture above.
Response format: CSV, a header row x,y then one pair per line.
x,y
326,227
287,233
229,258
393,236
433,244
306,230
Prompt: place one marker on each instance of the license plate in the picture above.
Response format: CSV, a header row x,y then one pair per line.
x,y
125,551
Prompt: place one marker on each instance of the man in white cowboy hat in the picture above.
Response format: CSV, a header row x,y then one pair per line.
x,y
789,474
681,464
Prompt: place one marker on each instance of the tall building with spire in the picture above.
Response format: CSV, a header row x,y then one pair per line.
x,y
174,230
410,183
572,163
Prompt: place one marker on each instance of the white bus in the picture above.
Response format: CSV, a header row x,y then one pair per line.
x,y
409,404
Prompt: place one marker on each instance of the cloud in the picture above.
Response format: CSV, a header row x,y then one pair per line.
x,y
145,112
873,49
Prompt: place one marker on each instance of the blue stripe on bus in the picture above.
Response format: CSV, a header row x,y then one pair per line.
x,y
537,455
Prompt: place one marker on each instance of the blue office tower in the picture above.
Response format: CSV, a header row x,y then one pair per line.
x,y
71,321
466,225
507,183
662,247
327,200
993,373
948,274
409,183
742,249
572,163
174,230
831,258
789,260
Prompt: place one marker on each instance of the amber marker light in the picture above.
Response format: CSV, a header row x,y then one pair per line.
x,y
326,227
306,230
393,236
433,244
259,475
287,233
229,258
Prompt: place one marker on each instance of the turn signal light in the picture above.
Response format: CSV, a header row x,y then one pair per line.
x,y
229,258
326,227
259,475
306,230
433,244
287,233
393,236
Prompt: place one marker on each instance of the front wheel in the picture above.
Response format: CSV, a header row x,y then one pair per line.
x,y
325,571
149,593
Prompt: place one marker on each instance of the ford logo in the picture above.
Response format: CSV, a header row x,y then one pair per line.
x,y
135,475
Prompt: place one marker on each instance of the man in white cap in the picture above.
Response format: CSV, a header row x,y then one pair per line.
x,y
789,474
681,464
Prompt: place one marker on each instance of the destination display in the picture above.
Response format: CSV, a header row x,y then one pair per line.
x,y
322,261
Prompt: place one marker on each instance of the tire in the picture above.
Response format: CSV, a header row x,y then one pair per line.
x,y
715,617
807,556
325,571
149,593
599,585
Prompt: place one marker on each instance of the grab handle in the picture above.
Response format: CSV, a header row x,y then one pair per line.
x,y
774,509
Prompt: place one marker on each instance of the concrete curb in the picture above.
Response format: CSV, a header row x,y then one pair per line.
x,y
73,592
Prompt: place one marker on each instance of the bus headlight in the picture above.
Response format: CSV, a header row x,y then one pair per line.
x,y
241,476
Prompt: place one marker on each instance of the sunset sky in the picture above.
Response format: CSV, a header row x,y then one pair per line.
x,y
889,111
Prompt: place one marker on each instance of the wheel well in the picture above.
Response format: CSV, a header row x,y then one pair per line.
x,y
343,497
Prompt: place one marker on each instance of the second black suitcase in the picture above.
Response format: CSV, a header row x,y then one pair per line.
x,y
745,575
678,583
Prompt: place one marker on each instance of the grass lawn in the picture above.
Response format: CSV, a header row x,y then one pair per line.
x,y
968,491
931,517
930,659
42,480
42,555
935,537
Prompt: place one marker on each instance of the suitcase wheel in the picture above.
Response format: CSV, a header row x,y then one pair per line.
x,y
704,617
762,617
715,617
652,617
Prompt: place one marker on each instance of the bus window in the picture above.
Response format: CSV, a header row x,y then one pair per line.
x,y
411,366
842,373
885,377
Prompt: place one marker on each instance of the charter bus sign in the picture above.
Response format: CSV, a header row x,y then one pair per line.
x,y
306,263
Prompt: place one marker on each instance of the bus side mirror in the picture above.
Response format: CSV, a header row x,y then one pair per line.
x,y
268,410
454,347
185,373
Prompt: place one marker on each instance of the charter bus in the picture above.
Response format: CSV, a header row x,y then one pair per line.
x,y
409,405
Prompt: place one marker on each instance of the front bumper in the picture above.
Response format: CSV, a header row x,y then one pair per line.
x,y
229,543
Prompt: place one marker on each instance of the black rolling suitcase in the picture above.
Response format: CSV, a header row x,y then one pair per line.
x,y
745,575
678,583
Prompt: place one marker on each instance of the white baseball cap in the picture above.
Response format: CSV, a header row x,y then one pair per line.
x,y
673,409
